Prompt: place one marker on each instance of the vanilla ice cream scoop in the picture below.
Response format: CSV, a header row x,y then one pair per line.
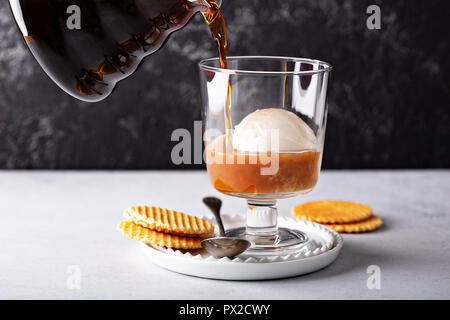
x,y
258,132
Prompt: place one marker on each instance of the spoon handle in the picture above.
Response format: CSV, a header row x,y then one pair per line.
x,y
214,204
220,223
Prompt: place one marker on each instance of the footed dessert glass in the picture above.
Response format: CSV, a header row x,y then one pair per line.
x,y
264,122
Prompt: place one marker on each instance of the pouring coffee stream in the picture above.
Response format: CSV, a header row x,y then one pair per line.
x,y
88,46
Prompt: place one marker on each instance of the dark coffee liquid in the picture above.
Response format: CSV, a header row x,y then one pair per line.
x,y
113,38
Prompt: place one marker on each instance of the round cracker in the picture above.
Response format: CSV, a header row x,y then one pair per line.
x,y
138,233
329,211
367,225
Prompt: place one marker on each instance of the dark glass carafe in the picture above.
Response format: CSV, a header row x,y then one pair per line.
x,y
87,46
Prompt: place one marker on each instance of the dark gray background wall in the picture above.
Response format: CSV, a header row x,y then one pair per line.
x,y
389,96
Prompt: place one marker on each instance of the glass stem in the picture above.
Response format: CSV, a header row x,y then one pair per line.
x,y
262,216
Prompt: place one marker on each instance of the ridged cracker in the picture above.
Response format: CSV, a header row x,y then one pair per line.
x,y
169,221
138,233
331,212
369,224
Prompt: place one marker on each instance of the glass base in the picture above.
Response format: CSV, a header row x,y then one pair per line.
x,y
283,242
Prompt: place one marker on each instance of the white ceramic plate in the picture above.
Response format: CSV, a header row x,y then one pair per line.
x,y
322,249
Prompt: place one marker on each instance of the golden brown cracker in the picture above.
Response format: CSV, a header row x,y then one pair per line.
x,y
169,221
136,232
332,212
370,224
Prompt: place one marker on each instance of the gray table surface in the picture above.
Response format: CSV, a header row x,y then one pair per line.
x,y
52,221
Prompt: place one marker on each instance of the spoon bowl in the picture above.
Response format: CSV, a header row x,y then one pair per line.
x,y
225,247
222,246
